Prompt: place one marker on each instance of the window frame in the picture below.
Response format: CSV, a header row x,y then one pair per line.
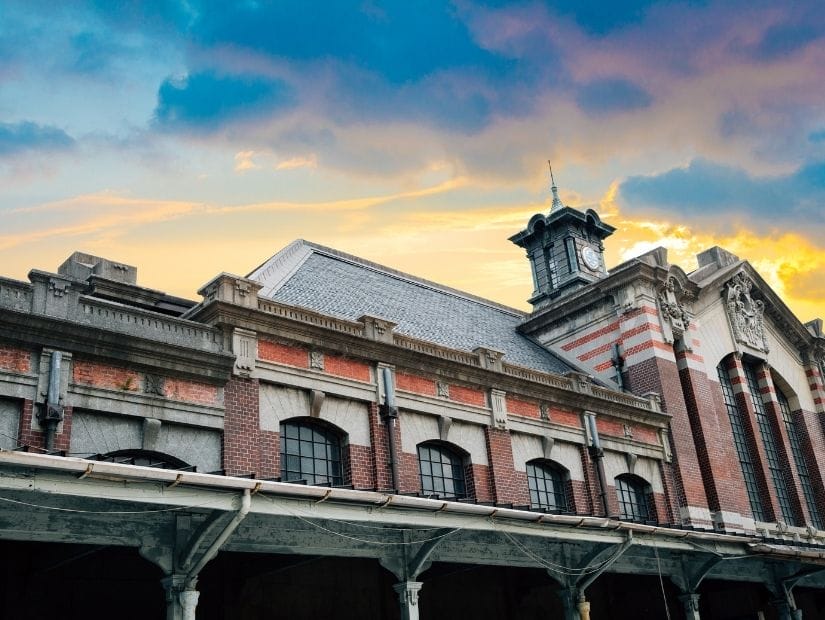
x,y
316,437
633,492
453,486
560,479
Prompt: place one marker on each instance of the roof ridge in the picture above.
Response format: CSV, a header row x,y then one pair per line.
x,y
401,275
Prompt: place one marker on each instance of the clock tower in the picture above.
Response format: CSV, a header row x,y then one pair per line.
x,y
565,249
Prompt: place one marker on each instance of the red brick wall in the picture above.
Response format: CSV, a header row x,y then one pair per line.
x,y
279,353
105,376
467,395
241,432
566,418
508,486
415,383
190,391
517,406
361,474
662,376
15,360
380,448
479,484
590,502
347,367
31,434
616,428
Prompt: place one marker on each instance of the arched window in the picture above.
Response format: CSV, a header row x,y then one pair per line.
x,y
770,441
146,458
740,441
547,482
442,471
310,452
795,437
632,494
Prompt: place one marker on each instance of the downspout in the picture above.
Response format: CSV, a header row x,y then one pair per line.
x,y
597,453
52,413
390,412
246,503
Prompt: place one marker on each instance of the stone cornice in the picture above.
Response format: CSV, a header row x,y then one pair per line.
x,y
36,331
315,330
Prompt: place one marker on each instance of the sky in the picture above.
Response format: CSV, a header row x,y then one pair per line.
x,y
194,137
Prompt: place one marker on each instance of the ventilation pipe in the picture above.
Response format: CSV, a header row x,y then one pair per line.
x,y
51,413
597,453
389,412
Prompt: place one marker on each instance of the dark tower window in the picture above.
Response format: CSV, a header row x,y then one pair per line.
x,y
310,452
632,494
442,471
547,486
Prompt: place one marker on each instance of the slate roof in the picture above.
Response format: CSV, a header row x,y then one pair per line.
x,y
333,283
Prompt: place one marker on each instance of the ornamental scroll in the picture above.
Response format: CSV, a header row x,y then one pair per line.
x,y
746,314
675,319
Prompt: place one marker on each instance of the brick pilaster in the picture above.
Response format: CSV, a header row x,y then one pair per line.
x,y
508,485
661,375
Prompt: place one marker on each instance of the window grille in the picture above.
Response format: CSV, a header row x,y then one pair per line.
x,y
769,441
442,472
310,452
547,486
633,503
799,458
740,441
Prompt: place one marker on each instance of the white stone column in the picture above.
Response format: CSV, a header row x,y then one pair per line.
x,y
690,603
181,599
408,598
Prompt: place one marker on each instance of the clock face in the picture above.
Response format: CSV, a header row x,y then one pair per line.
x,y
590,258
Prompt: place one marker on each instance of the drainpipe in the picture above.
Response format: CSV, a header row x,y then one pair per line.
x,y
597,453
51,413
390,412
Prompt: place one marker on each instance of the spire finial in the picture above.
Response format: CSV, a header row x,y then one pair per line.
x,y
557,204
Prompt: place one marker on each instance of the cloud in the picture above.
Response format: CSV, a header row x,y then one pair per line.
x,y
26,136
610,95
784,39
203,100
706,188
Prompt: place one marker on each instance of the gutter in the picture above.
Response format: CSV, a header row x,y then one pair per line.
x,y
82,468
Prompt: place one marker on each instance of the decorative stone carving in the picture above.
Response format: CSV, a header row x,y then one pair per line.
x,y
489,358
232,289
630,460
443,389
316,360
746,314
499,408
444,424
245,347
628,431
547,444
316,401
544,412
376,328
58,287
674,316
153,384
